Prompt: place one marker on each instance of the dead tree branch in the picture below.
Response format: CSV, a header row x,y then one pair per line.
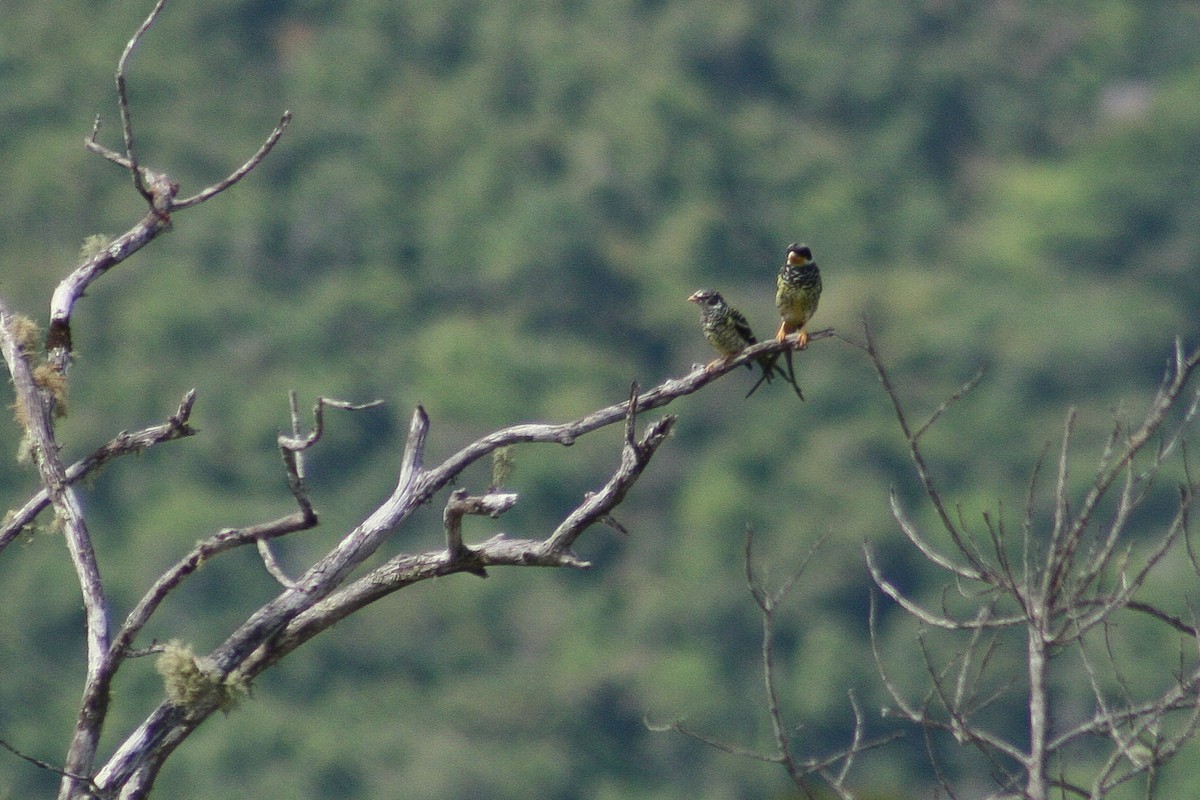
x,y
124,443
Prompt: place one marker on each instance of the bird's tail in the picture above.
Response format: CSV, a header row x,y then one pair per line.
x,y
771,369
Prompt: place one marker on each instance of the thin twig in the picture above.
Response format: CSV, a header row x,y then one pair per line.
x,y
954,397
910,532
914,448
123,443
243,170
123,101
37,762
924,615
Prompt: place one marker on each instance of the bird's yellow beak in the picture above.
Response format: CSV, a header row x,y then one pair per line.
x,y
695,298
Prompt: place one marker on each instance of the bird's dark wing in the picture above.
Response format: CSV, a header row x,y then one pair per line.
x,y
742,327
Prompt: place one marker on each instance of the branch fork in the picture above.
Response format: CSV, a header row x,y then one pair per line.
x,y
459,503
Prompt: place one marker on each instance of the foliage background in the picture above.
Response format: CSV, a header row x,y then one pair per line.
x,y
498,210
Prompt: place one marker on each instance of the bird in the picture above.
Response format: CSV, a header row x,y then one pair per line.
x,y
797,292
727,330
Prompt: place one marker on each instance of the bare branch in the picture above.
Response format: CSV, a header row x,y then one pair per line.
x,y
293,447
1164,401
404,570
566,433
1058,552
957,395
176,427
299,442
158,190
921,613
1060,602
635,456
226,540
317,599
935,557
272,564
856,744
71,288
241,171
1173,620
460,503
774,708
123,101
798,770
907,711
91,143
1100,558
918,457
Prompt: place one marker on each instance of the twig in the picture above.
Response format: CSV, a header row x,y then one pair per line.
x,y
784,754
37,762
241,171
1168,394
123,101
677,726
955,396
914,448
176,427
292,447
272,564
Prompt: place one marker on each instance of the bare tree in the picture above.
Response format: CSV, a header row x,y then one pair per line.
x,y
333,586
1046,598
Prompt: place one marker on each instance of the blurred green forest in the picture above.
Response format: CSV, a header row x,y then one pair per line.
x,y
498,210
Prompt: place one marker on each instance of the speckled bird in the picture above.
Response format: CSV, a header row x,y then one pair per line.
x,y
727,330
797,292
724,326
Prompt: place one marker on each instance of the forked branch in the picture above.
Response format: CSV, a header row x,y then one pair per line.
x,y
158,189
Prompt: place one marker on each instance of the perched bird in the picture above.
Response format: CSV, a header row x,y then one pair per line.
x,y
797,292
727,330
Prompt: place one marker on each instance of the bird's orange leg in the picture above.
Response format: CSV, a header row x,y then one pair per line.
x,y
783,331
802,338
